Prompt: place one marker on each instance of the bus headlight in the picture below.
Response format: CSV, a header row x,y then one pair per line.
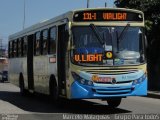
x,y
81,80
140,80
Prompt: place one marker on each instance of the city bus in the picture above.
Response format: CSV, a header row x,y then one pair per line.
x,y
93,53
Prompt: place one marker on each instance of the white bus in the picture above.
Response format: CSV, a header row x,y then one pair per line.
x,y
88,53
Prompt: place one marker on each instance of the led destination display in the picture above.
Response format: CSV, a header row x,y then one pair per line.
x,y
107,15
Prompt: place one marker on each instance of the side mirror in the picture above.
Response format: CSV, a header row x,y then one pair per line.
x,y
69,46
145,42
72,47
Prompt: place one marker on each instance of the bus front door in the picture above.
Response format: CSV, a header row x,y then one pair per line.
x,y
62,64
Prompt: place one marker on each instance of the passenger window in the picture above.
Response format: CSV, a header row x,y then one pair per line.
x,y
10,50
14,48
52,40
37,44
25,46
19,44
22,41
45,41
17,48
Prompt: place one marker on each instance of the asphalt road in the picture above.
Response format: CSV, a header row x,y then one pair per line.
x,y
37,107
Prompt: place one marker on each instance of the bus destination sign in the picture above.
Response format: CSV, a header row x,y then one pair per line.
x,y
107,15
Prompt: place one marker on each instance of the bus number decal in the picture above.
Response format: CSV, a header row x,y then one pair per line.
x,y
89,16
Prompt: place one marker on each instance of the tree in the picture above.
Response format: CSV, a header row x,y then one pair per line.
x,y
151,9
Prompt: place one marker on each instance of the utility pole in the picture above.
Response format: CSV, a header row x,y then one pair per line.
x,y
88,3
24,14
105,4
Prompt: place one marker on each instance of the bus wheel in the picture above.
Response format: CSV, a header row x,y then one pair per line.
x,y
114,102
54,90
21,85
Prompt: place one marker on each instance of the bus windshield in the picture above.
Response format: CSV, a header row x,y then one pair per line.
x,y
122,46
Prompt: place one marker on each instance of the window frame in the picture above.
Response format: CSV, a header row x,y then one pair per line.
x,y
37,51
44,51
13,49
25,46
54,40
10,49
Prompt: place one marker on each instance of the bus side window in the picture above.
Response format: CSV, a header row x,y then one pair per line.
x,y
13,49
22,41
25,46
17,48
10,49
37,47
52,40
19,53
44,42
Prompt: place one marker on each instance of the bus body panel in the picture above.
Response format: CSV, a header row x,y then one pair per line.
x,y
44,66
86,92
20,64
41,76
43,69
102,90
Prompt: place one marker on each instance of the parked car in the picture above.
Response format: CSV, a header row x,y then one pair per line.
x,y
4,76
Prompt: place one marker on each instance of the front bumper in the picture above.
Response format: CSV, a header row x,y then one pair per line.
x,y
79,91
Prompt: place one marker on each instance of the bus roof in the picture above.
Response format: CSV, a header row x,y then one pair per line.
x,y
123,9
40,25
67,15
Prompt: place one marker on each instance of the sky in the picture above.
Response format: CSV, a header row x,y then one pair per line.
x,y
12,12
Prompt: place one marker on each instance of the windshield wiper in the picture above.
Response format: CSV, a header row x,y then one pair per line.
x,y
95,31
120,36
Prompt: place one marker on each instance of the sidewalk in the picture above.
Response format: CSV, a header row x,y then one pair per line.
x,y
154,94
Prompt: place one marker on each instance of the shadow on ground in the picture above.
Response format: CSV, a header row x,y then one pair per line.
x,y
42,104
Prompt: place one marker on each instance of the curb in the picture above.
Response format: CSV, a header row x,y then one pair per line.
x,y
153,94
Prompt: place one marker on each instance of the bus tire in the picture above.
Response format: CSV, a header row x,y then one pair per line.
x,y
21,85
114,102
53,88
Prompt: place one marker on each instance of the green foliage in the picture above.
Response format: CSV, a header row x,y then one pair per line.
x,y
148,25
151,9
